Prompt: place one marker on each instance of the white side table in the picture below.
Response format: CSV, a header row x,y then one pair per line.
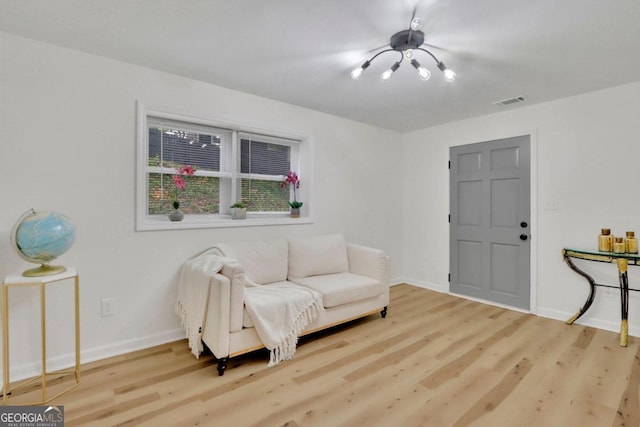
x,y
14,280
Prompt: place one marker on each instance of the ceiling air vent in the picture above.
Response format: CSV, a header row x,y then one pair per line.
x,y
510,101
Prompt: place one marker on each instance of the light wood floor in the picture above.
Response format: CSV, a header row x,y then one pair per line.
x,y
436,360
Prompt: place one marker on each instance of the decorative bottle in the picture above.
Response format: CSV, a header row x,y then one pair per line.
x,y
619,246
605,241
631,243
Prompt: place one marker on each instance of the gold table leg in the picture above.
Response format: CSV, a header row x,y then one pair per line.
x,y
5,344
624,301
592,289
43,341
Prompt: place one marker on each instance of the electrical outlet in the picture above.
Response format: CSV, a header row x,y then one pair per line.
x,y
107,307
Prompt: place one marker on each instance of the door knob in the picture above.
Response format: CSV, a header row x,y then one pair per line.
x,y
523,237
523,224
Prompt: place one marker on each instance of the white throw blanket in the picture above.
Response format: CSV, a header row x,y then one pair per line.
x,y
193,295
279,312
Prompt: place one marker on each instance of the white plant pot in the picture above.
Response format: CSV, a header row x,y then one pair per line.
x,y
238,213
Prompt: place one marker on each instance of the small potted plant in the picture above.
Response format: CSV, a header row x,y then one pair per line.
x,y
180,184
238,211
292,180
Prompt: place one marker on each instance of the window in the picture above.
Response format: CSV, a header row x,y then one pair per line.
x,y
232,164
173,144
263,163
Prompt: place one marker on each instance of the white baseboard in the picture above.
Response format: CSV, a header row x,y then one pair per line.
x,y
606,325
65,361
132,345
424,284
487,302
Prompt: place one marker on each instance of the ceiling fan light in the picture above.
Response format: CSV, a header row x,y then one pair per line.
x,y
449,75
417,23
387,74
356,73
423,73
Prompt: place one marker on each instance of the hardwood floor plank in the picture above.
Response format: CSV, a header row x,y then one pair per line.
x,y
444,406
376,348
391,358
496,395
154,379
628,410
112,410
458,365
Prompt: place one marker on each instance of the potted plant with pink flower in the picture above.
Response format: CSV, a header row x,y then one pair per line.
x,y
292,180
179,183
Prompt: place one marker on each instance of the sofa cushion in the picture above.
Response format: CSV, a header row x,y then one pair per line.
x,y
317,255
263,261
342,288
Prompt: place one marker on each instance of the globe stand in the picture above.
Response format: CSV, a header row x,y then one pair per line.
x,y
44,270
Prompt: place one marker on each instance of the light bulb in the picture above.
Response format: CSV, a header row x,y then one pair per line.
x,y
424,73
409,54
387,74
417,23
449,75
355,74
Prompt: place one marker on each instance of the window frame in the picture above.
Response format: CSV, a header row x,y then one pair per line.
x,y
299,163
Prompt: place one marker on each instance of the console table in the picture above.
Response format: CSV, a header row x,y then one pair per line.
x,y
622,260
17,280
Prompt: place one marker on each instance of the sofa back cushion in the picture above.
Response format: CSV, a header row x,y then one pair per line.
x,y
263,261
318,255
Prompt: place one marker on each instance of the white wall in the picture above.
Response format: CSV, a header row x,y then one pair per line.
x,y
587,162
68,144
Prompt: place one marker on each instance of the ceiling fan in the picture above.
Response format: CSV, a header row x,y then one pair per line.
x,y
406,43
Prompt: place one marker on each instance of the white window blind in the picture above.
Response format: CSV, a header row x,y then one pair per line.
x,y
263,161
173,144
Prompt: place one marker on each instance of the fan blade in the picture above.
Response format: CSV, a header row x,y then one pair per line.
x,y
375,49
429,46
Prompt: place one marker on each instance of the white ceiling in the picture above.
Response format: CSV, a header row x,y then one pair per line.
x,y
302,51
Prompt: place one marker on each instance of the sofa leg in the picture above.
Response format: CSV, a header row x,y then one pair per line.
x,y
222,365
383,313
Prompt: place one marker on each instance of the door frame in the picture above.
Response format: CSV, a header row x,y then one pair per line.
x,y
533,215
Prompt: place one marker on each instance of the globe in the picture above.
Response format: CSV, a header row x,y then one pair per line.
x,y
41,237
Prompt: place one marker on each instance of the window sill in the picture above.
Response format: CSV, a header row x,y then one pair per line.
x,y
162,222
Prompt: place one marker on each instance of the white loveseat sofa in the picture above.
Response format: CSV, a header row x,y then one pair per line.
x,y
353,281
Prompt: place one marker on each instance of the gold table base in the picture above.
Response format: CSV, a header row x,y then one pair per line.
x,y
622,261
42,282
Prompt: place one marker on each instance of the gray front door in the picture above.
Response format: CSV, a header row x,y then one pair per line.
x,y
489,223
